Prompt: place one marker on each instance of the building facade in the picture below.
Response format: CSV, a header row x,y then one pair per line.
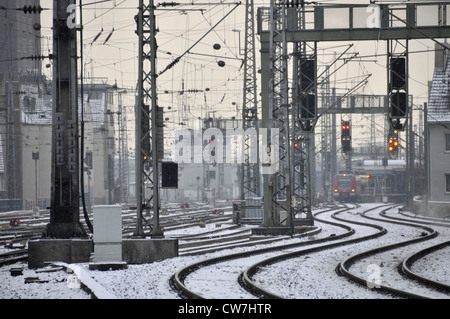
x,y
438,122
32,145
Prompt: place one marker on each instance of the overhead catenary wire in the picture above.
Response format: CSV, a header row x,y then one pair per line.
x,y
187,51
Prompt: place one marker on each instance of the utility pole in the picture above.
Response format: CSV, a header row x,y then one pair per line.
x,y
64,210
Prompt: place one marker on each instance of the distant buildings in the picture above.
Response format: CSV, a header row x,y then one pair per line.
x,y
20,40
32,129
26,120
203,180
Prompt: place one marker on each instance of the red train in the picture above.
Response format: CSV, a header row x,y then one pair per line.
x,y
345,187
372,182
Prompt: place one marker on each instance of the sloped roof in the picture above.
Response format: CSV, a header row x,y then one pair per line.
x,y
41,113
439,101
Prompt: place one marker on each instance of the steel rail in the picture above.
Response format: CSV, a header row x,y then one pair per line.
x,y
344,266
177,280
246,277
405,267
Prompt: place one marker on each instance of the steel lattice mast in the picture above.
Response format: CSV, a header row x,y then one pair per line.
x,y
277,187
250,175
289,189
147,181
304,119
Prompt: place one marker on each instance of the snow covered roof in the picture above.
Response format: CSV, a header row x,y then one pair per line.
x,y
439,101
37,110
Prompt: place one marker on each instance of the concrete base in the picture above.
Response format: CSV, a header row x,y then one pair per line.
x,y
104,252
43,251
141,251
279,230
134,251
440,209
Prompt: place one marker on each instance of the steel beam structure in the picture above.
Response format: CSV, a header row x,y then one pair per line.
x,y
407,28
250,174
304,119
65,193
147,172
385,24
12,144
275,115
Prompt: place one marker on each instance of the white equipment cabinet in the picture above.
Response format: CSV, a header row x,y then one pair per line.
x,y
107,233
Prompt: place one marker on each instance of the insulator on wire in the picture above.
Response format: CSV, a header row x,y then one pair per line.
x,y
31,9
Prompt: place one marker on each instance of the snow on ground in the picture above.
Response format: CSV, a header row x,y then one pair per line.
x,y
54,285
313,276
313,273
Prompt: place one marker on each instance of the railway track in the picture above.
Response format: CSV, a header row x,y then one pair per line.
x,y
177,281
361,261
406,267
427,234
343,231
12,257
247,276
32,227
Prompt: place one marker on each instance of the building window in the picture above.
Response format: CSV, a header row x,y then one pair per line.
x,y
447,142
447,183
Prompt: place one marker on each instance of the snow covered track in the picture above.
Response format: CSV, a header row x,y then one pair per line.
x,y
307,267
247,275
178,279
401,290
409,261
307,275
13,256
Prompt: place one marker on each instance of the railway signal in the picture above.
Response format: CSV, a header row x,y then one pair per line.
x,y
346,129
14,222
169,175
346,139
398,91
393,144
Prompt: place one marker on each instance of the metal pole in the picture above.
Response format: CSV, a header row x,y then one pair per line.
x,y
426,157
65,207
139,232
156,232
